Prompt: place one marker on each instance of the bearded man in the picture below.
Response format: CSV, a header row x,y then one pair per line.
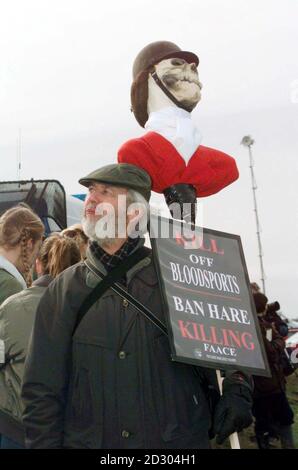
x,y
108,381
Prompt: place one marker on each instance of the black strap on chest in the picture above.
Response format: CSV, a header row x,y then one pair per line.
x,y
139,307
108,280
118,289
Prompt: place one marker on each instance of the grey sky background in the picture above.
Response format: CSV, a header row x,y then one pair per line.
x,y
65,76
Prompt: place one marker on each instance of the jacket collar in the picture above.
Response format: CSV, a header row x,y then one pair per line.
x,y
11,269
43,281
148,276
111,261
100,266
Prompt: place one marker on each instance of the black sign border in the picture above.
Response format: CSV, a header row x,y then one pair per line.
x,y
202,362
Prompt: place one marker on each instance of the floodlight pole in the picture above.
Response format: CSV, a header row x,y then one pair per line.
x,y
247,141
19,155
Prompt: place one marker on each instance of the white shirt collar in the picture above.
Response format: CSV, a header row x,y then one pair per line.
x,y
175,125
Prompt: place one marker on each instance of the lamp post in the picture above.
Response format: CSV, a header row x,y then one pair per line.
x,y
247,141
19,155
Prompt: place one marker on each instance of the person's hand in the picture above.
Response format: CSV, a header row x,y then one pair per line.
x,y
233,411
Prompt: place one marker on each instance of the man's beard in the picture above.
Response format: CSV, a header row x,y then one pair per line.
x,y
96,232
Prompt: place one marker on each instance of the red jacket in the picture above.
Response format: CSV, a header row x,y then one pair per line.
x,y
209,170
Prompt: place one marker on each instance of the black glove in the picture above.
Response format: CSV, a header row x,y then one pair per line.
x,y
233,411
184,195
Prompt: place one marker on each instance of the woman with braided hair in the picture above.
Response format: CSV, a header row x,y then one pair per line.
x,y
17,315
21,232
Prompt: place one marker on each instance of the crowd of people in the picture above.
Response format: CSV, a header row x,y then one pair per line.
x,y
21,248
103,377
273,414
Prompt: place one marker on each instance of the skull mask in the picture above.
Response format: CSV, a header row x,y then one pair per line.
x,y
179,80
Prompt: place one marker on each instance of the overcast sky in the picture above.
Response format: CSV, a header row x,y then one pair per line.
x,y
65,76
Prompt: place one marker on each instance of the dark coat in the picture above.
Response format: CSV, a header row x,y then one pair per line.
x,y
264,386
113,385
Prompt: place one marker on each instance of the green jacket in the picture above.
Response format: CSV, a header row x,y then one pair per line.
x,y
17,315
112,383
9,285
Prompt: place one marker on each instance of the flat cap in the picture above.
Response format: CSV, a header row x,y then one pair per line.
x,y
123,175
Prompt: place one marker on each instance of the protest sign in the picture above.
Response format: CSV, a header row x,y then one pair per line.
x,y
210,312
